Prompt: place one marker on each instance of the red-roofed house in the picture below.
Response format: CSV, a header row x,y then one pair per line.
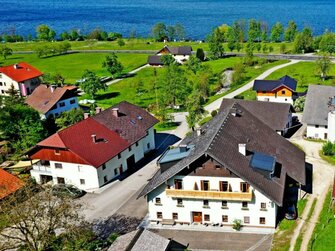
x,y
22,76
97,149
8,184
52,101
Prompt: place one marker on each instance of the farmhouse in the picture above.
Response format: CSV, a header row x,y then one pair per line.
x,y
181,54
96,150
235,167
22,76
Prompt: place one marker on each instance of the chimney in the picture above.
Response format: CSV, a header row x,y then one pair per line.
x,y
86,115
97,110
242,149
115,112
52,88
94,138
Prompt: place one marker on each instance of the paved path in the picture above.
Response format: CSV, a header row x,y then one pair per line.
x,y
128,74
323,174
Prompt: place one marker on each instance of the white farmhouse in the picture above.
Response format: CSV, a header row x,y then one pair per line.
x,y
22,76
52,100
319,112
96,150
234,168
181,54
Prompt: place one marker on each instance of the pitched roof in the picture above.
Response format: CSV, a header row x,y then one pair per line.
x,y
20,72
155,60
44,97
178,50
316,105
271,85
8,184
229,131
273,114
131,124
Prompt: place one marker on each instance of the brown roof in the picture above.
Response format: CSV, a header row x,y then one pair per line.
x,y
8,184
178,50
20,72
220,140
273,114
155,60
43,98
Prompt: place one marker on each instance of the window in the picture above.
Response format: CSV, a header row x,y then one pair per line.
x,y
129,148
72,101
244,204
159,215
60,180
61,104
56,114
57,151
115,171
207,217
205,185
175,216
282,92
326,127
246,219
262,220
224,186
0,83
45,163
105,178
224,204
148,145
224,218
178,184
158,200
316,126
58,165
103,166
244,187
263,206
136,144
82,182
206,203
179,202
263,92
119,156
2,91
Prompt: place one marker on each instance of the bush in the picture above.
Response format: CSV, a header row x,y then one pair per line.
x,y
328,148
237,224
299,104
213,113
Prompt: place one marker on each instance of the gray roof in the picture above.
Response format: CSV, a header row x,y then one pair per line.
x,y
155,60
273,114
220,141
316,106
179,50
270,85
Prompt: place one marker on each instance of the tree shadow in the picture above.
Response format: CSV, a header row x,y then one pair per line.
x,y
107,95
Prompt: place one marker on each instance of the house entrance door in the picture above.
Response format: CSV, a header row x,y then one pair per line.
x,y
197,217
131,162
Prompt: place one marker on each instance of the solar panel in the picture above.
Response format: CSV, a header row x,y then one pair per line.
x,y
263,162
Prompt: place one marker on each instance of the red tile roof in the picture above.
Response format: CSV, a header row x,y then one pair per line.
x,y
8,184
43,98
22,73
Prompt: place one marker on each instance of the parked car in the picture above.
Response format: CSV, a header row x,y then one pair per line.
x,y
66,190
291,213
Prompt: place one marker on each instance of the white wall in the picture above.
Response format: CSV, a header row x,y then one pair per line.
x,y
316,132
278,99
181,58
7,82
68,106
215,210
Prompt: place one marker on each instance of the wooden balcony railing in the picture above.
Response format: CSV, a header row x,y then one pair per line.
x,y
213,195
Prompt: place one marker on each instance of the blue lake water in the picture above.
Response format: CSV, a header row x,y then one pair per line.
x,y
198,16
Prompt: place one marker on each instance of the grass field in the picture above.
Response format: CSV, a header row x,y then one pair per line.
x,y
135,44
324,229
72,66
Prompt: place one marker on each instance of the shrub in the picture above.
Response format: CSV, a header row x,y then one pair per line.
x,y
237,224
328,148
213,113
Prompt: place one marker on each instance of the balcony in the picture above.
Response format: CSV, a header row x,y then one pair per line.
x,y
213,195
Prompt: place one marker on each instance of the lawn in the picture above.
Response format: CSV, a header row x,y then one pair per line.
x,y
325,228
308,70
72,66
329,159
248,95
285,229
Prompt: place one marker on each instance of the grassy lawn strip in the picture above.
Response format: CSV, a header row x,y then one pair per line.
x,y
308,69
248,95
285,229
298,242
323,235
72,66
329,159
166,126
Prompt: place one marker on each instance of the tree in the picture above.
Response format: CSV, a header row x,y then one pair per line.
x,y
327,43
200,54
5,51
283,48
195,109
299,104
180,31
231,39
193,64
171,33
323,66
69,118
121,42
254,33
290,32
238,75
159,32
168,59
276,32
112,65
215,40
35,216
45,33
91,83
303,41
64,36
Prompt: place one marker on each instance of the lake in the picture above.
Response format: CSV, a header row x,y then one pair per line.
x,y
198,17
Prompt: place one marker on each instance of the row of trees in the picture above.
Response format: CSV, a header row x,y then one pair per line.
x,y
161,32
52,49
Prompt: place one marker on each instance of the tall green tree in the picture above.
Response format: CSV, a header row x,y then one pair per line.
x,y
276,32
91,83
69,118
255,32
45,33
323,66
303,41
215,40
171,32
195,109
180,31
327,43
168,59
5,51
290,32
112,65
159,32
193,64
